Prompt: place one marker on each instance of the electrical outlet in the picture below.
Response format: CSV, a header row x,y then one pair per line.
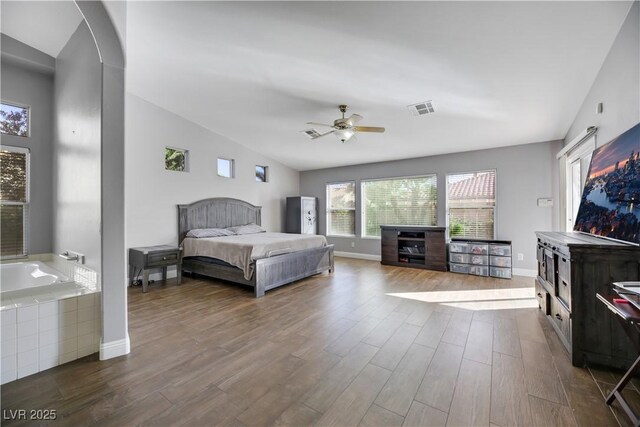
x,y
353,244
520,257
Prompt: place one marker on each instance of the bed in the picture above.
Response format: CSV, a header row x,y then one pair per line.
x,y
267,272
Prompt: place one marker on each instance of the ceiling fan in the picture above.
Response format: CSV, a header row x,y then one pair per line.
x,y
344,128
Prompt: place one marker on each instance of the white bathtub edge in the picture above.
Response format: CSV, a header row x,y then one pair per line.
x,y
109,350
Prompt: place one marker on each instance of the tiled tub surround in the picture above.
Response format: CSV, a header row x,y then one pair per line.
x,y
45,326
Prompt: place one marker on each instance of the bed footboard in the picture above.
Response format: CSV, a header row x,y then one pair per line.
x,y
280,270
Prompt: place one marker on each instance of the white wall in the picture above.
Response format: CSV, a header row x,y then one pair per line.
x,y
77,109
524,173
152,192
617,86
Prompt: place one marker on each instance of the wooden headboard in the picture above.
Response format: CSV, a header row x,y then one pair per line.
x,y
218,212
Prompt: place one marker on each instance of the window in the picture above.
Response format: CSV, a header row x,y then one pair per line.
x,y
14,120
14,201
471,202
341,209
176,159
261,173
576,164
225,167
398,201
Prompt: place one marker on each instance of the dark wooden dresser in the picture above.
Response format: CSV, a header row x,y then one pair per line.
x,y
572,269
414,246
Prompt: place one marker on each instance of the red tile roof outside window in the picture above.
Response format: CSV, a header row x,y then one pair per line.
x,y
478,186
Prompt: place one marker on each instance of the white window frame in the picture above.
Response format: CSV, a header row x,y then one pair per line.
x,y
26,204
579,155
186,159
266,173
362,203
232,167
19,105
495,194
329,210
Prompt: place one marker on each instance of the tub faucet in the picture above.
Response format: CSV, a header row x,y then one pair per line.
x,y
72,256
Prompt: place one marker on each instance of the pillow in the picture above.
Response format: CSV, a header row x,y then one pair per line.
x,y
199,233
246,229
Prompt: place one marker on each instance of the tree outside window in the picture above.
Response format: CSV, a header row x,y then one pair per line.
x,y
398,201
14,201
14,120
175,159
471,202
341,209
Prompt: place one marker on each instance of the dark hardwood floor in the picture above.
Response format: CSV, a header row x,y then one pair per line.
x,y
369,345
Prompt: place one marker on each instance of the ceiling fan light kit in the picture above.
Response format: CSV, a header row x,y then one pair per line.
x,y
343,128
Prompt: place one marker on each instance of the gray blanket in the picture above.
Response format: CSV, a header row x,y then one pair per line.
x,y
241,251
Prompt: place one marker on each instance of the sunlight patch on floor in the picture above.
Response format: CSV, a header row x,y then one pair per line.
x,y
480,299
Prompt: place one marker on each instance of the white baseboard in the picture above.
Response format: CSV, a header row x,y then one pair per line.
x,y
524,272
369,257
113,349
516,271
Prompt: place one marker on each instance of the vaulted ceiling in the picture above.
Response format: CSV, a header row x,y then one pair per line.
x,y
498,73
45,25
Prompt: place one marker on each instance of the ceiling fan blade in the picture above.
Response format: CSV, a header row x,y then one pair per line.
x,y
355,118
319,124
368,129
323,134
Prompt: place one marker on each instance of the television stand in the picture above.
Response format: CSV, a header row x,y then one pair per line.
x,y
414,246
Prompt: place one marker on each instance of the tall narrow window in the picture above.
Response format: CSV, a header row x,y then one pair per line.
x,y
576,164
14,120
341,209
398,201
14,201
471,202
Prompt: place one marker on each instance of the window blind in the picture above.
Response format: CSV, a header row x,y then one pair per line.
x,y
13,176
12,230
14,170
341,209
398,201
477,223
471,204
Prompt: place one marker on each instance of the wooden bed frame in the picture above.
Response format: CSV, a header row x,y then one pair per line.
x,y
269,273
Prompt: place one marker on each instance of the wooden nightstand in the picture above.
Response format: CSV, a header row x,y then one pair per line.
x,y
149,257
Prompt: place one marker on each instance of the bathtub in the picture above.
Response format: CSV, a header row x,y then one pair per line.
x,y
50,313
29,274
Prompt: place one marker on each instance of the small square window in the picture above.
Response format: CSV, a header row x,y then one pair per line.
x,y
14,120
176,159
225,167
261,173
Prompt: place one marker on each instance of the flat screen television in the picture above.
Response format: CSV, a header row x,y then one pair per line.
x,y
610,204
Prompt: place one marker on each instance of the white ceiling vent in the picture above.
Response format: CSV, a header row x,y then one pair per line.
x,y
311,133
421,108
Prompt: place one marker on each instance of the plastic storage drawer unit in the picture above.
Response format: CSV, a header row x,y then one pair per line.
x,y
500,261
458,268
478,248
459,258
502,273
479,259
461,248
479,270
500,250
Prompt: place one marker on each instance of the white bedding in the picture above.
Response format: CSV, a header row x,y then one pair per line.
x,y
241,250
